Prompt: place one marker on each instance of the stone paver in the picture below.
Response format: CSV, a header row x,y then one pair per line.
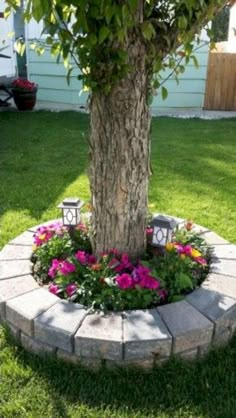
x,y
145,335
100,336
36,347
213,239
213,305
222,266
11,288
224,251
140,338
59,323
22,310
15,332
200,229
221,283
26,238
11,268
219,308
16,252
187,325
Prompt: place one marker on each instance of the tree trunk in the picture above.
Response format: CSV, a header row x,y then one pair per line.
x,y
119,160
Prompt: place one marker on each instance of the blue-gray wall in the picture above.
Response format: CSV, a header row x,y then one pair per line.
x,y
53,87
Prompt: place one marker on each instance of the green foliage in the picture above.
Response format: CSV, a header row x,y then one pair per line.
x,y
220,25
96,34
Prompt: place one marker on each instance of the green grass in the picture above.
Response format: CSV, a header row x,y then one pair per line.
x,y
43,158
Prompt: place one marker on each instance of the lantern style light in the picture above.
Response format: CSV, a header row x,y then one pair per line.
x,y
71,211
163,228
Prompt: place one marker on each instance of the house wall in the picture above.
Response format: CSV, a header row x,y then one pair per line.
x,y
7,66
51,78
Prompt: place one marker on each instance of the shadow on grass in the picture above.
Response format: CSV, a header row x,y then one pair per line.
x,y
205,388
41,154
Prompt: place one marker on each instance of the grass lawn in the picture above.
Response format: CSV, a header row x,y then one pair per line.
x,y
43,158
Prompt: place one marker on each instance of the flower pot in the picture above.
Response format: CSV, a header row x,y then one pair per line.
x,y
24,99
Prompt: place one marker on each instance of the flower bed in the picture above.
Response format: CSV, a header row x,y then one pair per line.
x,y
111,281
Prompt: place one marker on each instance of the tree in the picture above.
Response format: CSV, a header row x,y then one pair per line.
x,y
120,47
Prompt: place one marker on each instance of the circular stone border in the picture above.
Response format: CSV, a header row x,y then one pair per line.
x,y
45,324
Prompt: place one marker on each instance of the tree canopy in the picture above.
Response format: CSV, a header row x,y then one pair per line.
x,y
96,33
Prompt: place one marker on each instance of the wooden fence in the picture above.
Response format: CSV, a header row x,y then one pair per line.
x,y
220,91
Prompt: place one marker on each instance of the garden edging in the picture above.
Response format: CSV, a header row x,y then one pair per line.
x,y
46,324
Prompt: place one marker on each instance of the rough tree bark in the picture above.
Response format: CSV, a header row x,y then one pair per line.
x,y
119,159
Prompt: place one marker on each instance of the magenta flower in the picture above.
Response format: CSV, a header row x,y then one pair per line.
x,y
163,294
66,268
180,248
188,250
200,260
46,232
71,289
82,257
124,281
149,282
92,259
53,288
149,231
54,268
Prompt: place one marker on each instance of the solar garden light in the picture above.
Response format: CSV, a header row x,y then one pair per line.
x,y
71,212
163,228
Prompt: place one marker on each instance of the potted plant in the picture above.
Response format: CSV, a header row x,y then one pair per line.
x,y
24,94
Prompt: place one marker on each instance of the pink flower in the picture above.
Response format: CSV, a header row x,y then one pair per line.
x,y
114,252
180,248
124,281
113,263
188,250
200,260
92,259
81,227
82,257
54,268
62,266
46,232
149,282
163,294
71,289
53,288
149,231
66,268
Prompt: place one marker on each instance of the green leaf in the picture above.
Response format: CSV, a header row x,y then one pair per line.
x,y
103,34
68,75
164,93
182,22
184,281
109,13
195,61
148,30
